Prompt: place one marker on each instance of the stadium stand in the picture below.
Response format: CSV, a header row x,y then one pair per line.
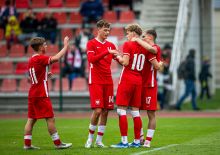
x,y
24,85
65,32
22,4
21,68
9,85
72,3
75,18
110,16
1,34
55,3
38,3
60,17
17,50
52,49
127,17
7,68
65,84
55,68
79,84
118,32
30,51
40,15
114,67
3,50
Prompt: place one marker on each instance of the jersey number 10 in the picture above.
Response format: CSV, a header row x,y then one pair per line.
x,y
138,62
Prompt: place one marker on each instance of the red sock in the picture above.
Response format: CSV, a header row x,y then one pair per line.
x,y
123,124
27,140
137,127
56,139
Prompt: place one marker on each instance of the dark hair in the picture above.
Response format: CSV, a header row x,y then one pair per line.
x,y
134,28
102,23
36,43
152,32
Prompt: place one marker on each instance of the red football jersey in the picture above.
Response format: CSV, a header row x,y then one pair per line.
x,y
99,61
132,73
38,72
149,73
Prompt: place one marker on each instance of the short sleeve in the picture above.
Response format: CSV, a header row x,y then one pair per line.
x,y
150,56
126,49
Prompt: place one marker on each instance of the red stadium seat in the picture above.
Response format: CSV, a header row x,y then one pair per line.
x,y
6,68
30,51
55,68
72,3
24,85
79,84
65,84
40,15
1,34
22,4
8,85
110,16
75,18
55,3
52,49
3,51
61,17
67,32
17,50
2,3
38,3
118,32
127,17
21,68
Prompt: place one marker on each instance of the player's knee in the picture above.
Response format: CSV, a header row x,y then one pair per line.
x,y
135,113
98,111
121,112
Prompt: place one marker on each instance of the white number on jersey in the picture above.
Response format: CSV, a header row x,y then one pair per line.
x,y
138,62
33,75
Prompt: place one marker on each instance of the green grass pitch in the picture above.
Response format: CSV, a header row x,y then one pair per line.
x,y
174,136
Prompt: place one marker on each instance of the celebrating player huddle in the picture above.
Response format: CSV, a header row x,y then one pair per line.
x,y
137,87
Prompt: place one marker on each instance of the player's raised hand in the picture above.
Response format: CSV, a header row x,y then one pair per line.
x,y
66,41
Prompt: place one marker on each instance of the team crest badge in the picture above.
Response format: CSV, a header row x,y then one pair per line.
x,y
97,102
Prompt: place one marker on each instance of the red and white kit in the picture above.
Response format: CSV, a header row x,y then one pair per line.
x,y
39,104
100,78
149,89
130,84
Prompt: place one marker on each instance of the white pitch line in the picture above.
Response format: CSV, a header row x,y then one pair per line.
x,y
155,149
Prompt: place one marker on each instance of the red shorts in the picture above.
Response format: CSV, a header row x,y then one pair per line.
x,y
101,96
128,95
40,107
149,98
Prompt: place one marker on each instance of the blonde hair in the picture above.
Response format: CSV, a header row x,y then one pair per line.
x,y
134,28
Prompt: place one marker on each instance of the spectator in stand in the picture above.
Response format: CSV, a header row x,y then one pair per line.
x,y
81,41
204,75
73,64
113,3
91,11
7,11
13,31
29,26
49,27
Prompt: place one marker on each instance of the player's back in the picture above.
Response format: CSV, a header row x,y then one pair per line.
x,y
132,73
149,72
38,72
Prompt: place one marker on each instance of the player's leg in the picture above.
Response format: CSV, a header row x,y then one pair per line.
x,y
55,136
108,100
137,126
28,134
101,127
151,127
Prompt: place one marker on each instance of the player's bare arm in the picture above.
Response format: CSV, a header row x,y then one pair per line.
x,y
157,65
145,45
56,57
123,60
